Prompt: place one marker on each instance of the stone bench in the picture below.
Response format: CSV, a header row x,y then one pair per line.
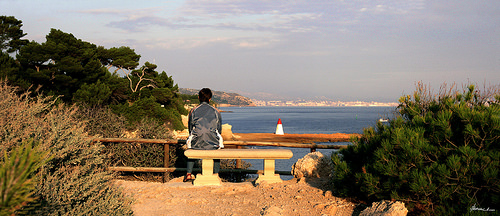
x,y
208,177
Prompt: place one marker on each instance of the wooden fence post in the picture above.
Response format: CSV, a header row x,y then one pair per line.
x,y
238,161
313,147
166,160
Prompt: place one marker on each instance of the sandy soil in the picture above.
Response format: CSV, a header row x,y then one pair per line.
x,y
292,197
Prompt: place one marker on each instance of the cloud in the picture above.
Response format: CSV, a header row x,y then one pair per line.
x,y
222,8
129,13
186,43
277,16
141,23
104,11
131,20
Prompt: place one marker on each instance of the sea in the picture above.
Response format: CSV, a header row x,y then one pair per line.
x,y
302,120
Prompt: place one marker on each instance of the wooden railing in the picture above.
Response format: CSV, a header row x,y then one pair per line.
x,y
237,144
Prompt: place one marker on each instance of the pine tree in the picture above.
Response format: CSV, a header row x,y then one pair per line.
x,y
18,176
11,34
439,156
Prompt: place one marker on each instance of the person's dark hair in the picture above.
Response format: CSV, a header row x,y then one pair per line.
x,y
204,95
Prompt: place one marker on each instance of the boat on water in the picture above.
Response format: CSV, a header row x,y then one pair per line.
x,y
383,120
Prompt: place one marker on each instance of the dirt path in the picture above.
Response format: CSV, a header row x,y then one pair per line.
x,y
291,197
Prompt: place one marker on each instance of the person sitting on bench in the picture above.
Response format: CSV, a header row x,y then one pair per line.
x,y
204,125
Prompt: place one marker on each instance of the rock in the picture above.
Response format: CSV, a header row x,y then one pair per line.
x,y
131,134
336,208
313,165
328,194
184,134
271,211
185,120
226,133
386,208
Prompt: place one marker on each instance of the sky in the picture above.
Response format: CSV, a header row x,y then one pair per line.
x,y
344,50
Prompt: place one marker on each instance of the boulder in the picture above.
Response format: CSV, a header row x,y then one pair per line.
x,y
386,208
313,165
185,120
227,133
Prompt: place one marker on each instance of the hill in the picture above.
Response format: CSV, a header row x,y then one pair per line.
x,y
222,98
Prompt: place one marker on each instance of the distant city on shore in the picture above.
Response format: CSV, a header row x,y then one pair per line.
x,y
321,103
225,99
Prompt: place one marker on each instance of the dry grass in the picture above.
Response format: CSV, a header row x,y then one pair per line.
x,y
74,180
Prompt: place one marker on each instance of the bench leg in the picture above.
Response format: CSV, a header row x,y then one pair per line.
x,y
269,175
207,176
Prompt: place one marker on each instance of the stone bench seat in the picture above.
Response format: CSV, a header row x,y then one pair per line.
x,y
207,176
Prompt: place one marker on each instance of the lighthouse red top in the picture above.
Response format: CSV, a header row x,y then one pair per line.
x,y
279,121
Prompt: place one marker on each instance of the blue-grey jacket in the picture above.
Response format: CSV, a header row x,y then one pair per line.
x,y
205,126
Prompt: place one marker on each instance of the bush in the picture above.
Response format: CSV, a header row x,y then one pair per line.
x,y
440,156
141,154
17,177
95,94
74,180
101,121
149,108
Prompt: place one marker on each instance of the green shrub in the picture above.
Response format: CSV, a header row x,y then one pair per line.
x,y
440,156
95,94
149,108
17,177
74,180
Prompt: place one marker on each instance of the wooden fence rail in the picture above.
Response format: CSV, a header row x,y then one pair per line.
x,y
238,144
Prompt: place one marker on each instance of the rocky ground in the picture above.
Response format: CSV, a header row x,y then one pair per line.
x,y
292,197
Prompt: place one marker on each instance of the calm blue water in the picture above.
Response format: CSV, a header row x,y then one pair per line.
x,y
302,120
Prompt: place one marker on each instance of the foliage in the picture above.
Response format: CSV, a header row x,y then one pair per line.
x,y
148,107
10,41
77,71
8,68
74,181
440,156
144,155
123,58
74,71
61,65
190,99
17,176
94,94
234,176
101,121
139,154
11,34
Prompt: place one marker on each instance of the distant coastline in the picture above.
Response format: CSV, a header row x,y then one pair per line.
x,y
304,103
324,103
224,99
